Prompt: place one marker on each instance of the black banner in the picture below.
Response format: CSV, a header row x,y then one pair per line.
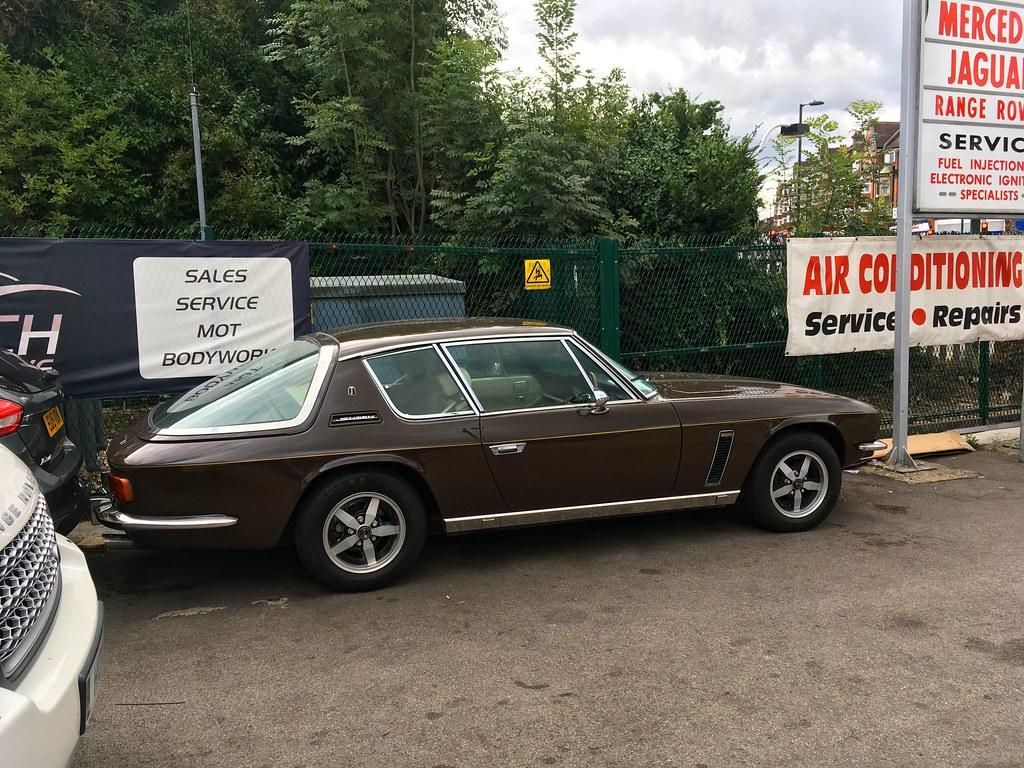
x,y
149,316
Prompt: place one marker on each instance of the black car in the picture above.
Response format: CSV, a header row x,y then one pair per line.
x,y
32,427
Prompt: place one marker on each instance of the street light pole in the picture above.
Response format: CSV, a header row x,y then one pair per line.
x,y
764,141
800,152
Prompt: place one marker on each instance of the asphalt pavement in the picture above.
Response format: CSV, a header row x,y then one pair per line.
x,y
891,635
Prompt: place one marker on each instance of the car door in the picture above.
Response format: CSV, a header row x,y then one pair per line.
x,y
544,440
435,425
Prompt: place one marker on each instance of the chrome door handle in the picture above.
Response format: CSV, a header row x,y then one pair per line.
x,y
506,449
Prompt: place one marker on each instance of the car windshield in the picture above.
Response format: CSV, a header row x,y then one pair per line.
x,y
272,388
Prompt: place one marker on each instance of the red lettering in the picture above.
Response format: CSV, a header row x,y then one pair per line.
x,y
881,273
978,264
842,272
963,270
812,280
948,25
864,273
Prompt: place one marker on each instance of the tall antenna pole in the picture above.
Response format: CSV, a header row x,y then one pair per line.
x,y
197,147
193,99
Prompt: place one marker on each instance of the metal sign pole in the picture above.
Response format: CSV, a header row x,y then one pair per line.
x,y
193,99
900,458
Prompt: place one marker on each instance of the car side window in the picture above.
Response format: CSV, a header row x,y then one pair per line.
x,y
418,383
599,377
514,375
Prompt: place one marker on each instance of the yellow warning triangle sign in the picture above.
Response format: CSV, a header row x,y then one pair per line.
x,y
538,274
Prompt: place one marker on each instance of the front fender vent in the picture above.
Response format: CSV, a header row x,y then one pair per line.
x,y
721,458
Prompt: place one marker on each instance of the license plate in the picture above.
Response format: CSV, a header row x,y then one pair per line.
x,y
54,420
89,694
87,677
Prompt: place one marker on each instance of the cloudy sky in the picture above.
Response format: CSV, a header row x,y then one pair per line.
x,y
760,58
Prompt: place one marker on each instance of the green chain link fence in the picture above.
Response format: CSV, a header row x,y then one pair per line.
x,y
706,307
722,309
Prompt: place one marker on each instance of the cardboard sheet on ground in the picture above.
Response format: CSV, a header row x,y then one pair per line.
x,y
930,445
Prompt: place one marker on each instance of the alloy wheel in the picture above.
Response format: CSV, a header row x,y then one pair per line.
x,y
364,532
799,484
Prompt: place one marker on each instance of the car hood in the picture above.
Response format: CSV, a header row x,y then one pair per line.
x,y
685,386
18,495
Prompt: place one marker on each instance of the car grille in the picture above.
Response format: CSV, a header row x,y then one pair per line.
x,y
29,574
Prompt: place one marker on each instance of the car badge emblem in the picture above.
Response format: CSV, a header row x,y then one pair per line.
x,y
351,391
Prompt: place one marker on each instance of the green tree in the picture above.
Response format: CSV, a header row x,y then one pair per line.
x,y
683,174
366,138
548,174
133,60
369,117
834,175
64,157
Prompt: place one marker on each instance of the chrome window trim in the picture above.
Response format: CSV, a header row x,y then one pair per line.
x,y
453,369
414,344
547,408
626,387
602,359
579,367
324,364
562,336
427,416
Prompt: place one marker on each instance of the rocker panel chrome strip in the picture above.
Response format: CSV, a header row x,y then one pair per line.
x,y
588,511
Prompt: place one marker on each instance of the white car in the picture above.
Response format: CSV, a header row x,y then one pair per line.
x,y
51,625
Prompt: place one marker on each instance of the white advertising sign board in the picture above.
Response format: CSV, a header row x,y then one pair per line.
x,y
841,292
202,317
971,109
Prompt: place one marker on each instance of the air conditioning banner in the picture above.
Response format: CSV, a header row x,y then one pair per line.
x,y
149,316
841,292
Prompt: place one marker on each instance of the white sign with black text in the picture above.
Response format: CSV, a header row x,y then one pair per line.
x,y
841,292
971,115
200,317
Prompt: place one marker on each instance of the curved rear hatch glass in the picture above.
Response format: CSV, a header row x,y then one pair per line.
x,y
273,390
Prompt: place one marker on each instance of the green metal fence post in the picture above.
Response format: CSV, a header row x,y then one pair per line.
x,y
819,372
983,381
608,272
559,277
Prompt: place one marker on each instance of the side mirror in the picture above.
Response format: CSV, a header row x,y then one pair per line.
x,y
600,402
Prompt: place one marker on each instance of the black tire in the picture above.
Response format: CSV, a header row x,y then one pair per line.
x,y
767,476
398,506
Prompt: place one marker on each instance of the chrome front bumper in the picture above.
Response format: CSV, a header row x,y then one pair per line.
x,y
872,447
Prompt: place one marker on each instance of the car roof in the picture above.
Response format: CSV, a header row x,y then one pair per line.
x,y
358,340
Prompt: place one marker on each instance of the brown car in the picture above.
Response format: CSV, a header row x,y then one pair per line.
x,y
356,443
